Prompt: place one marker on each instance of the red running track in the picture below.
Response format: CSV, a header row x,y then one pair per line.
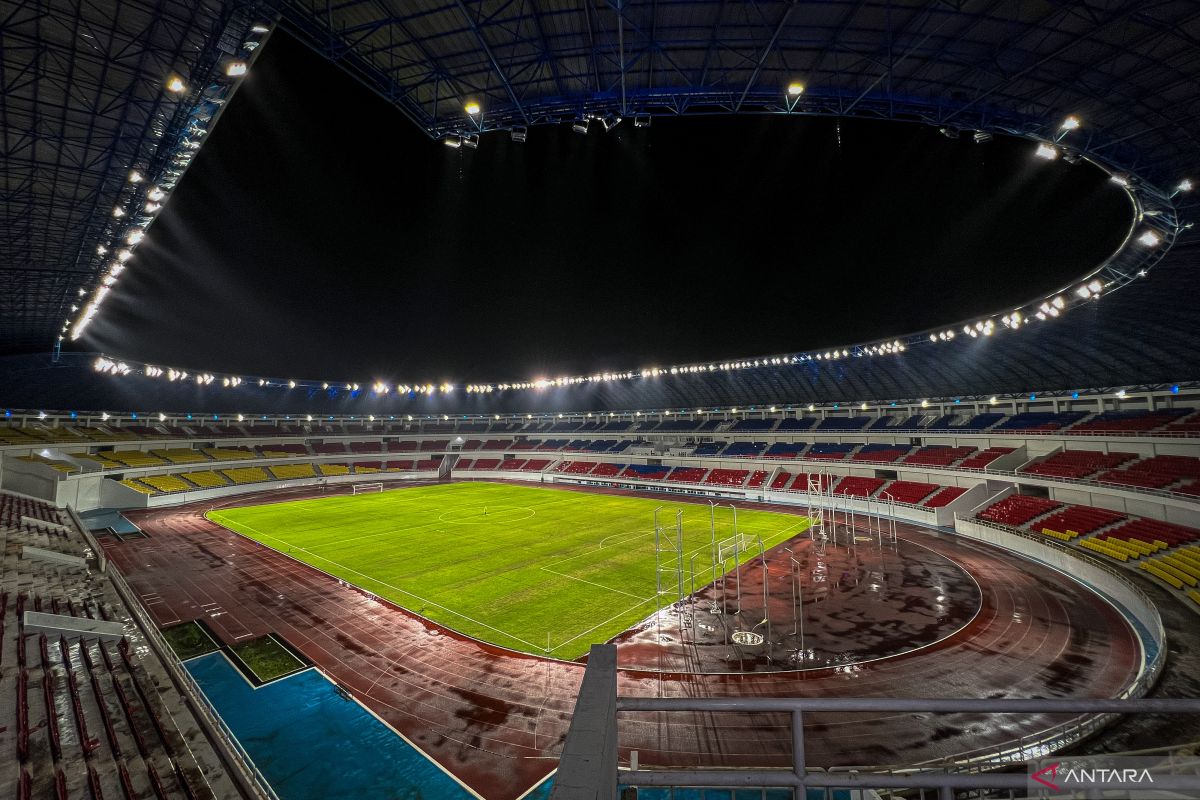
x,y
496,719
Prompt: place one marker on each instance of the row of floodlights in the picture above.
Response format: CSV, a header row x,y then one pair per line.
x,y
580,125
149,204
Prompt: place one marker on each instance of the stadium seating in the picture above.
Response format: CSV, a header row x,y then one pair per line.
x,y
707,449
1157,472
796,424
205,479
830,451
943,497
282,450
981,459
784,450
781,481
754,425
1126,422
485,463
1079,519
645,472
137,486
727,477
909,492
525,444
687,475
60,466
1039,421
1077,464
511,464
166,483
858,486
535,465
1018,509
800,483
744,450
575,467
136,458
407,446
288,471
367,467
181,455
228,453
937,455
607,470
246,474
399,466
757,479
434,445
366,447
332,469
880,453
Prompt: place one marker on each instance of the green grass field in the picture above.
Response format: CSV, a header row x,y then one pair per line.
x,y
527,568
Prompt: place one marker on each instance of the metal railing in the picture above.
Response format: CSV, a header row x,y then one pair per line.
x,y
245,773
593,733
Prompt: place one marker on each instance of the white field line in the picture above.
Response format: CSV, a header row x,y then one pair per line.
x,y
593,583
418,597
600,624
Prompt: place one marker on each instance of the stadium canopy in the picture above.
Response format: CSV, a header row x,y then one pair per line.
x,y
95,92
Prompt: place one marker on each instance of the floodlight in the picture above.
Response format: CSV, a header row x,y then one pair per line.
x,y
1070,123
518,133
155,194
259,28
471,141
472,107
1149,238
118,212
101,249
1058,302
1120,180
452,141
610,121
580,125
1046,151
236,69
135,177
982,137
1185,185
1095,287
795,89
641,121
948,132
1084,292
175,84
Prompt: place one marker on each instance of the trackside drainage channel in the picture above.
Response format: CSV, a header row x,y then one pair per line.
x,y
312,743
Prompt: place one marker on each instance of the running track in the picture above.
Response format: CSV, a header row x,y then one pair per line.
x,y
496,719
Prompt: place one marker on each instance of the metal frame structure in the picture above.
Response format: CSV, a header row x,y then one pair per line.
x,y
84,101
87,99
589,764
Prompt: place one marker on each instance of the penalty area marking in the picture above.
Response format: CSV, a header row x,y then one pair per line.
x,y
536,648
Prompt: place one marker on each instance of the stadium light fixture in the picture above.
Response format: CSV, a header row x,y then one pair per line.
x,y
236,69
472,107
795,89
981,137
471,141
580,125
135,176
118,212
1150,239
453,141
134,236
641,121
176,85
155,194
1070,123
518,133
1046,151
1185,185
610,121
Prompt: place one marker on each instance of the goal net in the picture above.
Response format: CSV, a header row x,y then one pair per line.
x,y
363,488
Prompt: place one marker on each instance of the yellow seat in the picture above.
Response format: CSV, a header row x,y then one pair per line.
x,y
246,474
287,471
166,483
205,479
138,487
333,469
1161,575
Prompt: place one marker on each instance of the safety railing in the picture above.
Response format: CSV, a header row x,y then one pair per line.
x,y
589,764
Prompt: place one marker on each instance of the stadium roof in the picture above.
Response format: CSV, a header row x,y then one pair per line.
x,y
86,96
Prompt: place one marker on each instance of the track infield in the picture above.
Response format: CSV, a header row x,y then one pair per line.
x,y
543,571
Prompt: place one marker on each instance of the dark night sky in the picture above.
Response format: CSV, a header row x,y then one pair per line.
x,y
320,234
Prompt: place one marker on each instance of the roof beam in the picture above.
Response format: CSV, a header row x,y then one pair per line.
x,y
766,52
512,95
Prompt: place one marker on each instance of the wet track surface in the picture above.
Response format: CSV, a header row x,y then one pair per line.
x,y
497,719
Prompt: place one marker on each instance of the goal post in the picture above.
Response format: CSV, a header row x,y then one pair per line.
x,y
364,488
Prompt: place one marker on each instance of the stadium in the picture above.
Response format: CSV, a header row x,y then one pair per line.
x,y
520,399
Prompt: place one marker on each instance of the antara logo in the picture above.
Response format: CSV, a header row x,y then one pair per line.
x,y
1041,776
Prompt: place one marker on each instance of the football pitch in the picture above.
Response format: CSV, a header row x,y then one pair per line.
x,y
546,571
